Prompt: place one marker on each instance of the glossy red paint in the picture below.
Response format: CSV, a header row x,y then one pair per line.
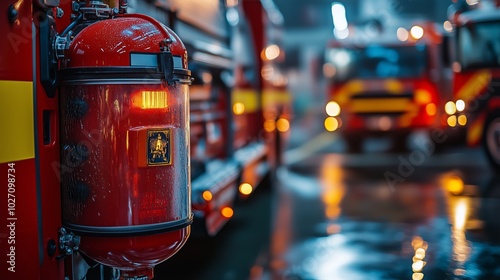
x,y
16,47
120,201
48,142
257,19
494,103
135,256
276,101
110,42
19,243
37,195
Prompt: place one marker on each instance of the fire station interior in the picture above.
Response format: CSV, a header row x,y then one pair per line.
x,y
249,139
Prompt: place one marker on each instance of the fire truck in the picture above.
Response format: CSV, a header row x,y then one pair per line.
x,y
385,80
239,115
476,102
267,31
126,124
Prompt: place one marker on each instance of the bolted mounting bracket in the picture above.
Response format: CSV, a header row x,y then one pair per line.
x,y
68,243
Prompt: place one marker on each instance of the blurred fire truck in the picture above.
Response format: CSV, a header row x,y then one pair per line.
x,y
240,108
385,80
476,74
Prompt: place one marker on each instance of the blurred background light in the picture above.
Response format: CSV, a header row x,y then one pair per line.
x,y
402,34
417,32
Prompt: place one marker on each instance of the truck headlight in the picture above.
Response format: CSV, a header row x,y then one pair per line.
x,y
332,109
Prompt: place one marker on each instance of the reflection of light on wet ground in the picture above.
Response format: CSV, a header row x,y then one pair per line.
x,y
331,178
282,236
461,247
460,213
312,146
420,247
305,186
368,250
459,210
342,256
370,232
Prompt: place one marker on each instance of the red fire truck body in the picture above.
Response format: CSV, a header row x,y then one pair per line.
x,y
476,74
267,29
234,111
32,206
388,84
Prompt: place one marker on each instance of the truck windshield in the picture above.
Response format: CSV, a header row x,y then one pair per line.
x,y
479,45
376,61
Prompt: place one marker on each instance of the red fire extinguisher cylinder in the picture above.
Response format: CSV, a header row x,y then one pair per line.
x,y
125,138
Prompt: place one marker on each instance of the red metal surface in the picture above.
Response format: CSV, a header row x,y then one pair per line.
x,y
16,47
209,133
111,185
481,78
133,255
120,187
460,80
255,14
265,32
19,240
216,130
117,38
36,217
248,125
475,87
49,170
494,103
223,197
120,191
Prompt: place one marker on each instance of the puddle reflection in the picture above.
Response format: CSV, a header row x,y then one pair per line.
x,y
434,229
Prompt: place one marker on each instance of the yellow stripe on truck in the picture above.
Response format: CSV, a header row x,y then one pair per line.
x,y
276,97
380,105
249,98
17,140
474,85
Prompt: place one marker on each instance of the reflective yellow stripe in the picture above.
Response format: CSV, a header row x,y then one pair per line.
x,y
275,97
16,121
380,105
477,83
475,131
343,95
394,86
249,98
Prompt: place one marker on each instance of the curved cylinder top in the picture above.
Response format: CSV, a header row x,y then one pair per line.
x,y
112,42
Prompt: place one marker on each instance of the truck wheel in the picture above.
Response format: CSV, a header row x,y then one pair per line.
x,y
491,140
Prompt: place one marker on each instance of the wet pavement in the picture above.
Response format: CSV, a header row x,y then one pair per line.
x,y
349,220
421,214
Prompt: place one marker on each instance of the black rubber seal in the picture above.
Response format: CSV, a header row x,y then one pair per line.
x,y
123,231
